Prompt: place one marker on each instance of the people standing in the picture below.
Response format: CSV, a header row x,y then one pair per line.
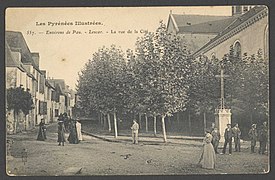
x,y
253,137
42,131
263,134
61,132
78,129
215,139
208,156
66,121
135,128
237,137
228,134
73,139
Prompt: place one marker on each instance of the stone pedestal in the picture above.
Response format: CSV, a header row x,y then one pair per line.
x,y
222,118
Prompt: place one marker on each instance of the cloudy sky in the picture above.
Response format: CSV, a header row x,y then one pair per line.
x,y
64,55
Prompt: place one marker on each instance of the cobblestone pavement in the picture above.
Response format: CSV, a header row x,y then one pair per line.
x,y
95,156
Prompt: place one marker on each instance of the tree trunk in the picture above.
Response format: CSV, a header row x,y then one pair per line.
x,y
204,121
100,118
115,124
146,123
109,123
104,121
189,123
15,114
163,128
155,125
139,119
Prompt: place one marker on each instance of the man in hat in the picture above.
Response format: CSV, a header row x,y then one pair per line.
x,y
228,134
135,128
253,137
216,138
237,137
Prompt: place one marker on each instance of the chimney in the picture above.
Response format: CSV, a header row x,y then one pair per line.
x,y
35,57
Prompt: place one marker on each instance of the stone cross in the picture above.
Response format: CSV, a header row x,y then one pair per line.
x,y
222,76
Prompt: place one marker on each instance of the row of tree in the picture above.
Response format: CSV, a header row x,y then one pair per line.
x,y
160,78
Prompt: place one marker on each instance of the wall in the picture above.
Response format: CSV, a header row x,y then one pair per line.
x,y
11,77
196,41
251,39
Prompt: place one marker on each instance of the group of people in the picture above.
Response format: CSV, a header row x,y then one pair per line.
x,y
212,138
65,125
261,135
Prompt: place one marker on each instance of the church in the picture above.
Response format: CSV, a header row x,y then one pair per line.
x,y
246,30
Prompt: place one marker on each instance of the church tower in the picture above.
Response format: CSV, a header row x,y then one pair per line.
x,y
239,10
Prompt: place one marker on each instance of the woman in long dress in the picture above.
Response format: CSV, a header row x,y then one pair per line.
x,y
208,156
42,131
78,130
61,133
73,139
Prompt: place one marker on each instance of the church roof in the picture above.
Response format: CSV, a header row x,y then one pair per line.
x,y
183,20
208,27
234,25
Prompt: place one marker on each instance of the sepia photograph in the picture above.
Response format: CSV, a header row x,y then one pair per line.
x,y
157,90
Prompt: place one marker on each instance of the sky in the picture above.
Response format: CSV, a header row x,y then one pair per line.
x,y
64,55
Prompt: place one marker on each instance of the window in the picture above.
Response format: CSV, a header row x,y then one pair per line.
x,y
213,55
56,113
245,8
237,49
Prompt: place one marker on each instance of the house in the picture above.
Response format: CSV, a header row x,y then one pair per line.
x,y
62,96
17,76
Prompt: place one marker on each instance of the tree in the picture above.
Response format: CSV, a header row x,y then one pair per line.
x,y
19,100
101,82
204,89
161,74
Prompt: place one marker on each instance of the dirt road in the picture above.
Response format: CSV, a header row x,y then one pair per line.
x,y
97,157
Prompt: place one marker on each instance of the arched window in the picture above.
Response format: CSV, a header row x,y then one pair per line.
x,y
237,49
213,55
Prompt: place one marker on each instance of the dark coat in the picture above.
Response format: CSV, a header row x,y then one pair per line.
x,y
61,132
263,133
42,132
228,134
73,139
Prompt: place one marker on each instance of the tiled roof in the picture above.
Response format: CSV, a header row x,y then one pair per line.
x,y
187,20
10,60
17,42
239,21
208,27
58,82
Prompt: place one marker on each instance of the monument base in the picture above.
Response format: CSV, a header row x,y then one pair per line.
x,y
222,118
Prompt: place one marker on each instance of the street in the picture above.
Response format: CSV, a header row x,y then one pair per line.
x,y
94,156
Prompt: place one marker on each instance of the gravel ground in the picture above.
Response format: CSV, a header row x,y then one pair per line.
x,y
97,157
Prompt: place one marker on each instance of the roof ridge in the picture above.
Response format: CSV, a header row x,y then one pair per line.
x,y
199,15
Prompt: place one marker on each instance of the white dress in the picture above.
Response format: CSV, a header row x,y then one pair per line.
x,y
78,130
208,157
